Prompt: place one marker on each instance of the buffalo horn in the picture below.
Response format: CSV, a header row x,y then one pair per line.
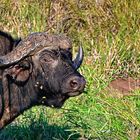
x,y
32,44
79,58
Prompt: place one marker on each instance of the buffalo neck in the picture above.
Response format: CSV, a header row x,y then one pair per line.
x,y
14,99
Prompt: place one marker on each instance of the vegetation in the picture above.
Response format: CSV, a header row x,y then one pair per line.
x,y
110,35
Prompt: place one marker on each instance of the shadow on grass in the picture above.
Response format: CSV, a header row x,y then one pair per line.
x,y
38,131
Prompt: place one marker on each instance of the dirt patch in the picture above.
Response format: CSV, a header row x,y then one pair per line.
x,y
124,86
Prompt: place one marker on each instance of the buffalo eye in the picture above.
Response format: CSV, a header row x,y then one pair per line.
x,y
47,60
50,61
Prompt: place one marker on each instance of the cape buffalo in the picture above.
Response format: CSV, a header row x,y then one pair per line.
x,y
37,70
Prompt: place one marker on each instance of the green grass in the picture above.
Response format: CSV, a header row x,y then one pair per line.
x,y
110,36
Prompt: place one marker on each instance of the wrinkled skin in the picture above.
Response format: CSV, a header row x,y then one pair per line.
x,y
47,78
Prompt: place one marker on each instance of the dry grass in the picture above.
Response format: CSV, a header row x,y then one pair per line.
x,y
109,32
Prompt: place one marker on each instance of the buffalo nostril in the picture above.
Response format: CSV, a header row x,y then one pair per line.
x,y
74,84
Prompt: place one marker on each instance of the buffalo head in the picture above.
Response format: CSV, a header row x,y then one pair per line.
x,y
44,62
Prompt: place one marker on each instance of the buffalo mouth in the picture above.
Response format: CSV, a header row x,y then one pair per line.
x,y
73,94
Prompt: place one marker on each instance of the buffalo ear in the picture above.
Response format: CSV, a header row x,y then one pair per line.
x,y
7,43
20,73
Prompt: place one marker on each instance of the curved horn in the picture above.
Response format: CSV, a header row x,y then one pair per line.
x,y
33,43
79,58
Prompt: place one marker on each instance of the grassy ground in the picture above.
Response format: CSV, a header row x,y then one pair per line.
x,y
110,35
